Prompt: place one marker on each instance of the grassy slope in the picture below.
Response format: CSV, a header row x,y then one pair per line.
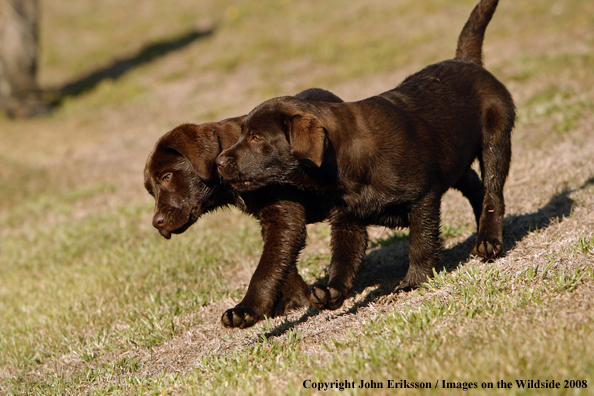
x,y
92,300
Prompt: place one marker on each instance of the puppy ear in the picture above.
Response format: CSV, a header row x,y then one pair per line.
x,y
307,138
198,144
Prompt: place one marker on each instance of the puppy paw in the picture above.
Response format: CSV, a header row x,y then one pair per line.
x,y
404,286
487,248
323,297
286,304
409,283
240,317
279,309
414,277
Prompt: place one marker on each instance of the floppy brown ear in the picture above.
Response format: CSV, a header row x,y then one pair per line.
x,y
308,139
198,144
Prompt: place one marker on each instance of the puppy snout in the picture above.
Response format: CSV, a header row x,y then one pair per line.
x,y
158,221
224,164
222,161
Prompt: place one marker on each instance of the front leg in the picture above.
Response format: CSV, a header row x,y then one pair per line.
x,y
424,250
293,294
349,242
284,231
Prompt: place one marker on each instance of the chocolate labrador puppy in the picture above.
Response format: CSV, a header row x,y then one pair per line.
x,y
181,175
390,158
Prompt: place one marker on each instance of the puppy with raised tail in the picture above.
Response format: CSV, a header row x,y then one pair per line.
x,y
389,159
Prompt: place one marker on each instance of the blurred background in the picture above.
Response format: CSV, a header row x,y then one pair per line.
x,y
119,75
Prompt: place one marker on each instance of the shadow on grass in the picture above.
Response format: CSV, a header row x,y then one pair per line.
x,y
122,66
387,266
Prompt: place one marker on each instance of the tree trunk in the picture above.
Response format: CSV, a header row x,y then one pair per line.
x,y
20,95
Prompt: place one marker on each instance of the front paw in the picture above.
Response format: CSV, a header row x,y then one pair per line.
x,y
414,277
286,304
240,317
323,297
487,248
404,286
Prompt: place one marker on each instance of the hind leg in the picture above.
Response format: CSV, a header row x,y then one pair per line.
x,y
293,294
495,160
471,186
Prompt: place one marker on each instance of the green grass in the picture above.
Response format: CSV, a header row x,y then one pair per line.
x,y
105,283
475,329
396,236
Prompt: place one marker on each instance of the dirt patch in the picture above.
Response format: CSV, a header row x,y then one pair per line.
x,y
561,223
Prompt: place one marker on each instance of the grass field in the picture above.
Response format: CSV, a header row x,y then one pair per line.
x,y
93,301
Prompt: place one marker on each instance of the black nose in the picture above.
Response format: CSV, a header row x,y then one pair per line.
x,y
158,221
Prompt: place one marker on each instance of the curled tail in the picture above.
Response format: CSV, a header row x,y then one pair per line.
x,y
470,42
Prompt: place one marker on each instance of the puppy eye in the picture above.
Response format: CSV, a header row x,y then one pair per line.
x,y
256,139
166,178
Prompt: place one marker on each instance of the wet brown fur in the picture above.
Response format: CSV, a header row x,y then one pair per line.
x,y
389,159
181,175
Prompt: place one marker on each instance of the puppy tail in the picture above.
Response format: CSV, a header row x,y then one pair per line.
x,y
470,42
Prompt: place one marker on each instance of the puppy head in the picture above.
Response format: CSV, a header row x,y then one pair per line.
x,y
277,137
180,174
